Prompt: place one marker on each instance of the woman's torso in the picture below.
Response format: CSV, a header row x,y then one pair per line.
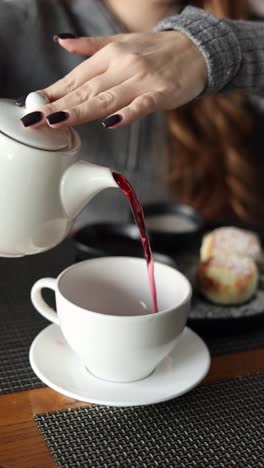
x,y
30,60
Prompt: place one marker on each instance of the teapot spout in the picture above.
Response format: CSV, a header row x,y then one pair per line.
x,y
80,183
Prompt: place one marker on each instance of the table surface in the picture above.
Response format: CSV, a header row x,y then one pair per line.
x,y
21,444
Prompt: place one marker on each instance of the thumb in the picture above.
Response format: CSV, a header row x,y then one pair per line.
x,y
87,45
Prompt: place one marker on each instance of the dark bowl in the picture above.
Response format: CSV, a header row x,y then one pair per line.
x,y
173,226
107,239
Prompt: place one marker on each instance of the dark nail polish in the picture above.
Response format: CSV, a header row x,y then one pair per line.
x,y
32,118
57,117
21,101
111,121
63,36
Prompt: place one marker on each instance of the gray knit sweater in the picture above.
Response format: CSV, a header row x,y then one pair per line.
x,y
234,52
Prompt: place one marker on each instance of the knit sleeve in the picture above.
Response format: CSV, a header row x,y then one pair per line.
x,y
233,50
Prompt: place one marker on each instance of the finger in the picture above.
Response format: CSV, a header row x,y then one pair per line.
x,y
99,106
87,70
139,107
101,83
88,45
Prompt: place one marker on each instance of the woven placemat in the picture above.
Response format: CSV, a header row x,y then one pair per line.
x,y
214,426
19,322
15,371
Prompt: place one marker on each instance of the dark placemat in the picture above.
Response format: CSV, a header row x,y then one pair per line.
x,y
19,322
15,371
214,426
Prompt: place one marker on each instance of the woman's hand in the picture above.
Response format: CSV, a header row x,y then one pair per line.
x,y
126,77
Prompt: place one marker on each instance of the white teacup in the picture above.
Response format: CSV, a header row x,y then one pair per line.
x,y
104,309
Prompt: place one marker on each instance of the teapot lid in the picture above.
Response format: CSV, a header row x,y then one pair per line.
x,y
44,137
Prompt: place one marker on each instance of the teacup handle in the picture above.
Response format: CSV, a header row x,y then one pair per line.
x,y
37,299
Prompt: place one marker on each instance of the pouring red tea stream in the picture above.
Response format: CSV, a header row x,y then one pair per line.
x,y
138,214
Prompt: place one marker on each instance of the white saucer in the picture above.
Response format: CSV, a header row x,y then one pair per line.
x,y
57,366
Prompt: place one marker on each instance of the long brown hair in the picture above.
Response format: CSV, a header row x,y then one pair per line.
x,y
209,164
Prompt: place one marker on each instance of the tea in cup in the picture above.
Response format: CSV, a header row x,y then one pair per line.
x,y
104,309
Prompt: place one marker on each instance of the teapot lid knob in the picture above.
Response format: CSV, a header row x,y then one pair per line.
x,y
35,100
44,138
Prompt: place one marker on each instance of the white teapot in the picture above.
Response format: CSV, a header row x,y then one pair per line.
x,y
43,184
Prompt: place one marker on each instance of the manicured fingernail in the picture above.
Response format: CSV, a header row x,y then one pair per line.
x,y
32,118
63,36
57,117
111,121
21,101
